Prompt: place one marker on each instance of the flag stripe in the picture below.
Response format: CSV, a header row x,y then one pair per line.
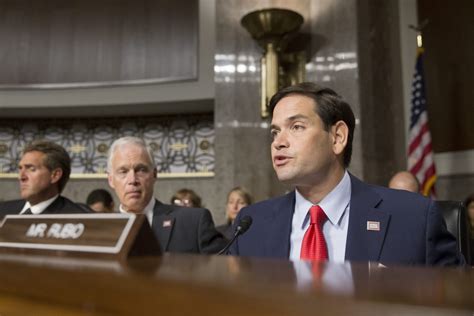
x,y
418,152
418,138
423,160
421,173
415,130
430,172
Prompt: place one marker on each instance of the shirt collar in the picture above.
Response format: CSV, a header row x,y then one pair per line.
x,y
333,204
40,207
148,211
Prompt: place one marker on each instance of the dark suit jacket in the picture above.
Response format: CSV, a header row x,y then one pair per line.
x,y
412,230
61,205
185,229
226,230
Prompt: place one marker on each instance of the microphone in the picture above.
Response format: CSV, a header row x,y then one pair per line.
x,y
243,226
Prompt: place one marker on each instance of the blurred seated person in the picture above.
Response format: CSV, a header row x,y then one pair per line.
x,y
186,197
100,201
469,203
43,172
404,180
236,199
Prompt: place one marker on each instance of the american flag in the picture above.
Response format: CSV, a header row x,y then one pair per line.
x,y
420,152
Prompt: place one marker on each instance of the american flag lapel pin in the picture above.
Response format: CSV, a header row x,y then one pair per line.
x,y
167,223
373,226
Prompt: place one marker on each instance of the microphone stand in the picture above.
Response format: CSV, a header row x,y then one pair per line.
x,y
244,224
236,234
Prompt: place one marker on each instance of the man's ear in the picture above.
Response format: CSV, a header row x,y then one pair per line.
x,y
340,134
155,173
111,182
56,175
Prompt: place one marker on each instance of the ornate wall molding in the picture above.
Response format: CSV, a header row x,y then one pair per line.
x,y
183,146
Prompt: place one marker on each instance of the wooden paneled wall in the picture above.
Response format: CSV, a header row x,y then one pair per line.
x,y
449,72
77,41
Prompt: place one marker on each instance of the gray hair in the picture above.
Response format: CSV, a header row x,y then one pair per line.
x,y
128,140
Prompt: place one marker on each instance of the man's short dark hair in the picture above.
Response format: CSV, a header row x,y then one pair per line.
x,y
100,195
329,106
56,157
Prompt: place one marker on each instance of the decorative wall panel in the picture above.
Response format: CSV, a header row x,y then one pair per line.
x,y
181,145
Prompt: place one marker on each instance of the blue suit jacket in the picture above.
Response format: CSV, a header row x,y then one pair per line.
x,y
412,230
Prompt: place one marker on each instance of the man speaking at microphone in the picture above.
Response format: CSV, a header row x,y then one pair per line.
x,y
332,215
132,174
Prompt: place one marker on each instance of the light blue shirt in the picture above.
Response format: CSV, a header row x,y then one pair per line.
x,y
336,205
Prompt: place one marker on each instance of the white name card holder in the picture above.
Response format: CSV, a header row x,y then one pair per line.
x,y
101,236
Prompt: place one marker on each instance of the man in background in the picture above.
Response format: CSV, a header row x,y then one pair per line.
x,y
404,180
186,197
100,201
44,171
132,174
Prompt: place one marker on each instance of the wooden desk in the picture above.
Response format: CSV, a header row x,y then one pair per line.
x,y
212,285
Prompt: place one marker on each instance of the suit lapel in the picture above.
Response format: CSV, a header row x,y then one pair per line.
x,y
365,243
53,208
17,208
162,224
279,226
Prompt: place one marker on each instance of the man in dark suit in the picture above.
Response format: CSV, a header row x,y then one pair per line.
x,y
331,215
132,174
44,170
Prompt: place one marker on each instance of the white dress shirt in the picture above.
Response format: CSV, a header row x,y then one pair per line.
x,y
148,211
336,206
40,207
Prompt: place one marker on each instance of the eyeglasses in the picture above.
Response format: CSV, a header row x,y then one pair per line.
x,y
182,202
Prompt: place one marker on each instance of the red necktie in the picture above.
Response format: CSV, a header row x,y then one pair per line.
x,y
314,245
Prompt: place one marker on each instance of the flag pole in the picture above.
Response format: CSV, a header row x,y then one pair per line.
x,y
419,29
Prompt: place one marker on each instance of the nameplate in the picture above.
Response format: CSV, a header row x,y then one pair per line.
x,y
90,235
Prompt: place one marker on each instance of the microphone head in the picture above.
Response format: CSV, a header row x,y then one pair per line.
x,y
244,224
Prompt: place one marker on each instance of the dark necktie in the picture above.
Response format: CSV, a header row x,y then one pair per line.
x,y
314,245
27,212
